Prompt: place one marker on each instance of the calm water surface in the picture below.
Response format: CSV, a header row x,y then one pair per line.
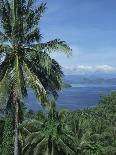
x,y
75,97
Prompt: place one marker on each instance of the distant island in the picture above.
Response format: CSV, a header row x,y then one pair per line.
x,y
67,85
77,79
98,81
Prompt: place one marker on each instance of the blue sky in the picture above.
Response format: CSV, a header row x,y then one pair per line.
x,y
88,26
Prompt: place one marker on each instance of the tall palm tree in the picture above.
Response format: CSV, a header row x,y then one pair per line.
x,y
24,60
46,136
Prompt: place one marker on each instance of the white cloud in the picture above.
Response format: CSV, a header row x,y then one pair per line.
x,y
83,69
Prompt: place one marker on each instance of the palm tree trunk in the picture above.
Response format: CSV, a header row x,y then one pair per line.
x,y
47,151
52,153
16,148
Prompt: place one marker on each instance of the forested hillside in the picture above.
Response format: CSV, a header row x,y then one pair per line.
x,y
82,132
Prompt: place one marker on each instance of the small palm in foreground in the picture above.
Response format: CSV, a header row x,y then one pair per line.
x,y
81,133
48,137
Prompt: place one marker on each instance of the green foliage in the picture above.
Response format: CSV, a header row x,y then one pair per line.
x,y
45,134
25,60
7,144
94,129
85,132
1,129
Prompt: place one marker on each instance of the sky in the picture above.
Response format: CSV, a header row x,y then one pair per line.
x,y
89,28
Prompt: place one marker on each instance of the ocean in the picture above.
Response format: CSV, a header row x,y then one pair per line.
x,y
75,97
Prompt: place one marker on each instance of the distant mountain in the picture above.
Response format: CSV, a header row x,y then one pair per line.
x,y
87,79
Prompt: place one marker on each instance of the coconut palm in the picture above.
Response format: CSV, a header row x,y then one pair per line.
x,y
80,130
46,136
24,60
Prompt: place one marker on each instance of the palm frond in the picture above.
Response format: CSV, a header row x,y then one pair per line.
x,y
4,89
16,80
44,66
65,147
6,17
37,86
22,80
30,3
3,67
3,37
32,124
32,137
39,146
33,36
54,45
5,48
34,17
28,148
24,130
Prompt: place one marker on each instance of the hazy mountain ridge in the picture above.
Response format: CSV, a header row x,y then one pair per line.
x,y
87,79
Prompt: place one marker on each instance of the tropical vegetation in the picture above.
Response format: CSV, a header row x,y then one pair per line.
x,y
25,63
81,132
24,60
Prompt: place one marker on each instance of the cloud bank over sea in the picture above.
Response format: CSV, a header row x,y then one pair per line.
x,y
89,69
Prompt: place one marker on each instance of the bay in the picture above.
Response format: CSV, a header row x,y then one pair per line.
x,y
78,96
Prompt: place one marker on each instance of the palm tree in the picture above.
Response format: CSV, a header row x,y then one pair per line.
x,y
45,135
81,131
24,60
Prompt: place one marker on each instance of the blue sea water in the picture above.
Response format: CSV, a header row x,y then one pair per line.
x,y
75,97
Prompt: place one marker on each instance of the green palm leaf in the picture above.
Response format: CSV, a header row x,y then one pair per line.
x,y
37,86
54,45
39,146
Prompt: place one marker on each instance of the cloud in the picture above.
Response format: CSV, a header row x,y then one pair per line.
x,y
101,56
84,69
